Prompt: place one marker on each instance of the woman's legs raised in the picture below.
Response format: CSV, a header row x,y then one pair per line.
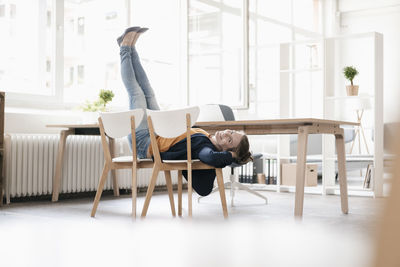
x,y
143,81
136,95
137,99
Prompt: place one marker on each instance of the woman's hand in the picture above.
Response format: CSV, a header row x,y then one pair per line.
x,y
233,154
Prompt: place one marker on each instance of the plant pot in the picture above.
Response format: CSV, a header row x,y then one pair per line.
x,y
352,90
89,117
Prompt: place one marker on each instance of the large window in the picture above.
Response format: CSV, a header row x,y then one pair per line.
x,y
26,47
87,55
216,65
91,53
62,52
279,64
161,48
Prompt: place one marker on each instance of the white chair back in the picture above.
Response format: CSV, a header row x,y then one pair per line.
x,y
118,124
172,123
211,112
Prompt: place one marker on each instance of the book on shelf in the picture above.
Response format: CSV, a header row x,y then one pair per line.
x,y
368,176
266,166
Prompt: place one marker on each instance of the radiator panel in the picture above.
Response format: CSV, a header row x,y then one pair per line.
x,y
31,161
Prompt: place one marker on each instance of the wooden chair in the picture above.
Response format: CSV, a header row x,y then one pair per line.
x,y
116,125
170,124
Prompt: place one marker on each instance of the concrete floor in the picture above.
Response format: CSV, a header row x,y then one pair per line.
x,y
42,233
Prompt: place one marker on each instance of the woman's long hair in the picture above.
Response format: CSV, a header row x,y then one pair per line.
x,y
242,151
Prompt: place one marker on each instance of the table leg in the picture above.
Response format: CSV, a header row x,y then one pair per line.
x,y
300,170
113,174
60,157
341,156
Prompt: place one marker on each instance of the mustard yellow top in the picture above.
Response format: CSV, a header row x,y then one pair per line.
x,y
166,143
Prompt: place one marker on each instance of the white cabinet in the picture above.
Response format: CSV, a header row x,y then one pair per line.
x,y
304,79
365,52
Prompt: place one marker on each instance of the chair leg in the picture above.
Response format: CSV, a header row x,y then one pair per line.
x,y
150,190
220,181
243,187
180,193
168,181
232,181
190,190
215,189
100,186
134,191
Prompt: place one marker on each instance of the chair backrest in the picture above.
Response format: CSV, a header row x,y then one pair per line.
x,y
227,112
118,124
172,123
216,112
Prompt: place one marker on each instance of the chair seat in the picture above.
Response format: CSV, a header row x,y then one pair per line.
x,y
128,159
179,161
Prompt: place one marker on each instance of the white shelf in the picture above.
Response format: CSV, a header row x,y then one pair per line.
x,y
355,157
332,101
350,188
309,157
348,97
337,103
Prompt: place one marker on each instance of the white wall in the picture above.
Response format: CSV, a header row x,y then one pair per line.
x,y
381,16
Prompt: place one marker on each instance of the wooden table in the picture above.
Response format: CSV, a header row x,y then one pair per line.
x,y
301,127
76,129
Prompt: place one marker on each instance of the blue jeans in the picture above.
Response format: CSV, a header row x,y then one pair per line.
x,y
140,93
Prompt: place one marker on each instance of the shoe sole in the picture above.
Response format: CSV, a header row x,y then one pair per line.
x,y
131,29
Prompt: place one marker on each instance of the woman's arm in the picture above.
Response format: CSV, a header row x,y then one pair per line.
x,y
214,158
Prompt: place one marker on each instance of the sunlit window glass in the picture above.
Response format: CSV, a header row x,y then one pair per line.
x,y
91,52
26,47
160,48
216,52
279,63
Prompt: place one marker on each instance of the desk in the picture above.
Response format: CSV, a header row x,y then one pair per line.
x,y
76,129
301,127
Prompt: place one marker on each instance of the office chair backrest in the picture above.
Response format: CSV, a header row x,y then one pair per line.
x,y
172,123
118,124
227,112
216,112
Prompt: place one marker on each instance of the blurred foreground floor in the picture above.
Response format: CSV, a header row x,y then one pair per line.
x,y
64,234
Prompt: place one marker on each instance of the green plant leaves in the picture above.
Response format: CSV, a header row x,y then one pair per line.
x,y
349,73
105,96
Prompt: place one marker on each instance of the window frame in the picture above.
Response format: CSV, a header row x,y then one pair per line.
x,y
245,103
56,101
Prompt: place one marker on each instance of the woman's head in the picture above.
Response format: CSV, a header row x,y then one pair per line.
x,y
242,151
237,142
227,140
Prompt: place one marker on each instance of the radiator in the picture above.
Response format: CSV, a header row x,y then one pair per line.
x,y
30,165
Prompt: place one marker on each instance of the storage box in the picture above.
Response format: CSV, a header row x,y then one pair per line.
x,y
288,174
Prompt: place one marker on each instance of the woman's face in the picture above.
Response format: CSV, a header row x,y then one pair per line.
x,y
228,139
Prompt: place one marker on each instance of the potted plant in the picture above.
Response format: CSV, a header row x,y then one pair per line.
x,y
91,109
349,73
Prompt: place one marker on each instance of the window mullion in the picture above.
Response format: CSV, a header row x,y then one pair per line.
x,y
58,51
245,16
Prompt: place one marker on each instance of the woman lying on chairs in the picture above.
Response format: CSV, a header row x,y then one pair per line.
x,y
218,150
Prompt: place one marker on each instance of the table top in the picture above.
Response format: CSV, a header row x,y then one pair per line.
x,y
298,121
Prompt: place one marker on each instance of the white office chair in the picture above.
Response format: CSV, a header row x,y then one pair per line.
x,y
170,124
116,125
217,112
